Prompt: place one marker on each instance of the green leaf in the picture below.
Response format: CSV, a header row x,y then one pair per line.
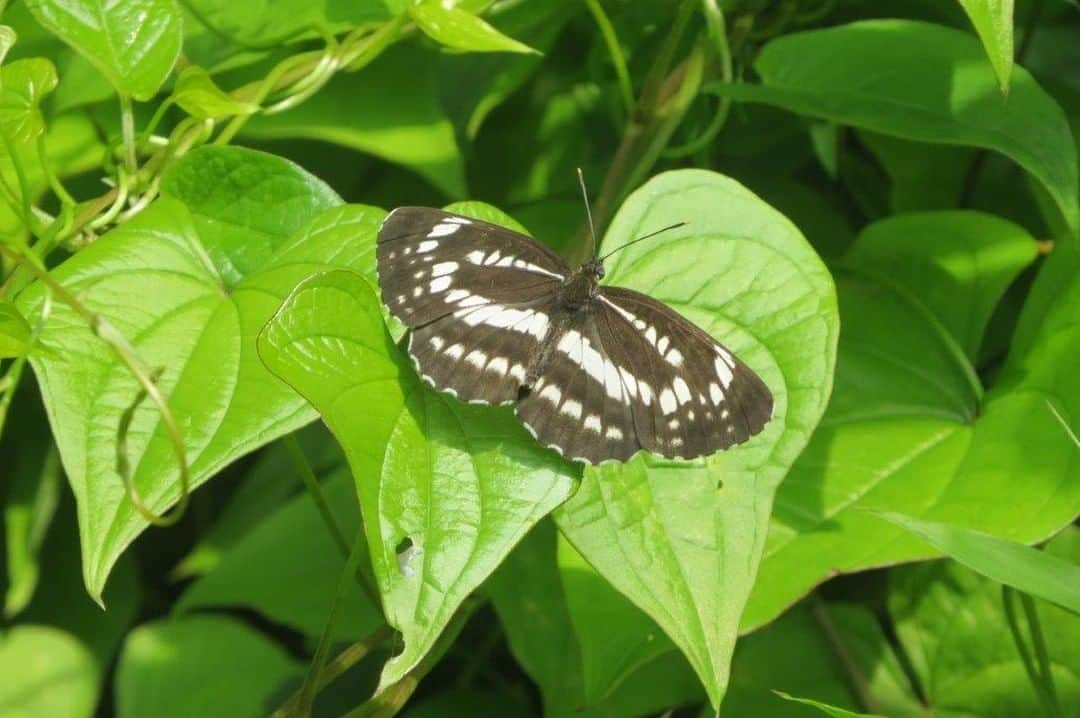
x,y
288,569
23,84
446,488
921,178
958,264
864,74
373,112
47,672
199,96
14,331
615,637
133,43
825,708
192,666
665,533
901,435
189,282
1026,569
459,30
32,492
951,625
993,20
528,597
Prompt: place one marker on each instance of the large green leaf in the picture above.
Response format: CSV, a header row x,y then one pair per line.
x,y
201,665
993,20
446,489
47,672
23,84
528,596
957,263
951,624
375,112
189,282
906,432
870,75
682,539
134,43
288,569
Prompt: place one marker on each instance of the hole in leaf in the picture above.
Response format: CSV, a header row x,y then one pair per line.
x,y
407,552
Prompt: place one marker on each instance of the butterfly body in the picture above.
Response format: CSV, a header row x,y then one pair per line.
x,y
594,372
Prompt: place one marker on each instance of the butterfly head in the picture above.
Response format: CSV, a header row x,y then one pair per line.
x,y
594,269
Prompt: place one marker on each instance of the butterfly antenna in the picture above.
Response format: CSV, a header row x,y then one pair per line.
x,y
650,235
588,213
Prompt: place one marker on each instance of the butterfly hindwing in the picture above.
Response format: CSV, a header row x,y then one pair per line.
x,y
701,398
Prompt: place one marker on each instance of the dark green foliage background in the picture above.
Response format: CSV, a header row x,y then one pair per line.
x,y
883,220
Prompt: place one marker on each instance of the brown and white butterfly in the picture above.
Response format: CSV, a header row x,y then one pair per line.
x,y
593,371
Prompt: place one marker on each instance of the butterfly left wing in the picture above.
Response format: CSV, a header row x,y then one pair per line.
x,y
476,296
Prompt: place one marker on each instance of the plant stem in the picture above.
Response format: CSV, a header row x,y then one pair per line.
x,y
611,40
314,489
127,132
300,704
857,681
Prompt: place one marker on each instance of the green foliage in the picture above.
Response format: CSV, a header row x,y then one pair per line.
x,y
881,219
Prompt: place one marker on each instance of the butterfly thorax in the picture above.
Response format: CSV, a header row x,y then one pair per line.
x,y
580,287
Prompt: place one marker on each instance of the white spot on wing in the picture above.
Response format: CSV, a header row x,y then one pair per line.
x,y
571,408
442,230
614,433
716,393
444,268
674,357
552,394
682,391
592,423
439,285
455,351
667,401
425,246
518,372
724,372
477,358
498,365
437,342
475,257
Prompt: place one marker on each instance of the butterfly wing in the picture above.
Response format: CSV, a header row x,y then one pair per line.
x,y
477,297
632,374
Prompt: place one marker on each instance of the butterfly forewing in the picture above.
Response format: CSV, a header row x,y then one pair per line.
x,y
432,263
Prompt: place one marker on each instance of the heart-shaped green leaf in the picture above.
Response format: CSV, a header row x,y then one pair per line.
x,y
906,432
993,20
866,74
957,263
189,282
23,84
191,666
455,28
47,672
446,489
134,43
682,539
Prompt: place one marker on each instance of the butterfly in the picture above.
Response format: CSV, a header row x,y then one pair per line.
x,y
594,372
